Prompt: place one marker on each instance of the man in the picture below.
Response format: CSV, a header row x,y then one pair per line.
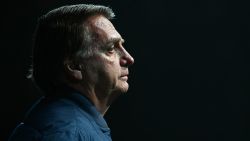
x,y
81,66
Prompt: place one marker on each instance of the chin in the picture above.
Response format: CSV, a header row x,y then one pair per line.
x,y
123,88
119,90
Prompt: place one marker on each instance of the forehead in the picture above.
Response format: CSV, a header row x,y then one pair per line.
x,y
103,28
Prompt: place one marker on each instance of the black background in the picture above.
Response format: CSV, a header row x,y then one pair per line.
x,y
190,80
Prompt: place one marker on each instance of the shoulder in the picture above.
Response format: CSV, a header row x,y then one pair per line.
x,y
24,132
55,120
79,135
59,116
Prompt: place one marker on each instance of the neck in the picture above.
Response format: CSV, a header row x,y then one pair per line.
x,y
100,101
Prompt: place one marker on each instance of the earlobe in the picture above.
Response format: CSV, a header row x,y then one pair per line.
x,y
73,71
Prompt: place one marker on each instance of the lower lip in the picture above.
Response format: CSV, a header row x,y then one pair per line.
x,y
125,78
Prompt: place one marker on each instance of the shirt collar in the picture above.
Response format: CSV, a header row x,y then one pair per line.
x,y
86,105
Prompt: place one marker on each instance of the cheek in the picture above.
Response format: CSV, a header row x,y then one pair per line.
x,y
108,66
111,67
109,61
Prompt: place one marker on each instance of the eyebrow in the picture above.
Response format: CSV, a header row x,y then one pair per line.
x,y
114,40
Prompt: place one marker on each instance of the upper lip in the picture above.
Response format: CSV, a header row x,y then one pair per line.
x,y
125,74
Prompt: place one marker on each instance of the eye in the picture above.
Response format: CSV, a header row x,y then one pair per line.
x,y
111,49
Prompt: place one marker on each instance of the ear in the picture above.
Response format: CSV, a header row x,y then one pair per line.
x,y
73,71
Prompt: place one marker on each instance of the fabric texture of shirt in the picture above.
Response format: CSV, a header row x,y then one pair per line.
x,y
71,117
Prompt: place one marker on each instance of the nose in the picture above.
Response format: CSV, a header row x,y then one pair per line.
x,y
126,59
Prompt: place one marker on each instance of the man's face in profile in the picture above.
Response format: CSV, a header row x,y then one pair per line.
x,y
108,67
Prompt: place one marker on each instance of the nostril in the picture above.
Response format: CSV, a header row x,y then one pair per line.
x,y
127,61
123,62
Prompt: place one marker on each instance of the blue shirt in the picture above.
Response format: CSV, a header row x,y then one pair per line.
x,y
71,117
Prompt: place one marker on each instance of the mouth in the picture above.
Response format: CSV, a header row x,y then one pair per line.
x,y
124,75
124,78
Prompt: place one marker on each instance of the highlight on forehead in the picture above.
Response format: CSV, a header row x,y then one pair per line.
x,y
102,22
99,22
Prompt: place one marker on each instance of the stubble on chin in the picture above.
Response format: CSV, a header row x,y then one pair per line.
x,y
123,87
